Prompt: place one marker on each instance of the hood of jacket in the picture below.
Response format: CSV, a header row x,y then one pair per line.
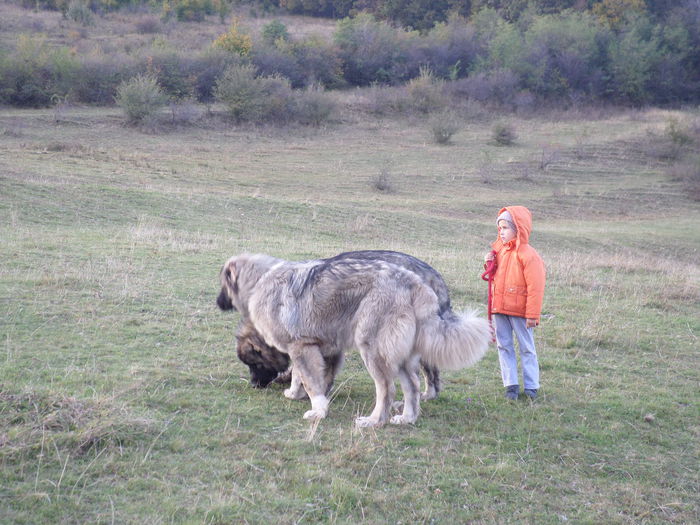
x,y
523,223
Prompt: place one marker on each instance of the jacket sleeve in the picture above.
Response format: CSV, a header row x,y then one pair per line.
x,y
534,273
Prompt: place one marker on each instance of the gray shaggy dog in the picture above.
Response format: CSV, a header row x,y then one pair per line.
x,y
315,310
267,364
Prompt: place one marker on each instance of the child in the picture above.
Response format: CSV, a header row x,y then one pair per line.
x,y
517,292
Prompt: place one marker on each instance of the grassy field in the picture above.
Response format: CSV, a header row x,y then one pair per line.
x,y
122,400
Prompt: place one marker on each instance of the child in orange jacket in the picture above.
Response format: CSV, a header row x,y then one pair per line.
x,y
517,293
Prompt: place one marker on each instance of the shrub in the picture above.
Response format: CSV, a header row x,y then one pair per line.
x,y
373,51
148,24
450,49
687,171
303,63
384,100
313,106
426,92
679,134
79,11
499,86
503,134
382,181
188,10
98,78
249,98
140,98
633,57
563,55
443,126
206,68
234,41
175,73
35,72
274,31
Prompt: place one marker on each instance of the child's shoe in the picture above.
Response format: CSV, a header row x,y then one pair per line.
x,y
531,393
512,392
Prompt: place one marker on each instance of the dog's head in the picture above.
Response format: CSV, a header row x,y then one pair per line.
x,y
265,362
238,279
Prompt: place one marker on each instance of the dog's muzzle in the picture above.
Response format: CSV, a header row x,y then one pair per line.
x,y
224,301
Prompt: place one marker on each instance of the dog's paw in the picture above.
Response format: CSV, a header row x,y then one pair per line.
x,y
402,420
366,422
314,414
428,395
293,393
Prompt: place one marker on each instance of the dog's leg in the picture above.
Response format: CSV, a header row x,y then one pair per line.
x,y
296,389
309,364
384,389
432,382
333,365
410,385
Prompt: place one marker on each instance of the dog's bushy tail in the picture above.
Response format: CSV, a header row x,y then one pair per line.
x,y
453,341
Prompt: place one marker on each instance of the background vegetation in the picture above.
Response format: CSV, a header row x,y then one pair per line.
x,y
621,51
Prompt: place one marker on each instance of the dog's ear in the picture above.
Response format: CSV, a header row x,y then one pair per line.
x,y
230,274
229,286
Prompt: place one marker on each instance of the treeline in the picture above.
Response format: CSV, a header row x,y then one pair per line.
x,y
413,14
573,56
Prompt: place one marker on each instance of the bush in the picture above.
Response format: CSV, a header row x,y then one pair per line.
x,y
249,98
564,55
206,68
384,100
313,106
679,134
503,134
304,63
234,41
98,79
35,72
449,49
382,182
687,171
147,25
273,32
373,51
140,98
633,56
443,126
500,86
79,11
188,10
426,92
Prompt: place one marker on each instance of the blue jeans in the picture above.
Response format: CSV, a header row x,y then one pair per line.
x,y
506,325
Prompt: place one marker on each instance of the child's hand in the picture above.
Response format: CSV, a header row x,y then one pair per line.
x,y
531,323
489,257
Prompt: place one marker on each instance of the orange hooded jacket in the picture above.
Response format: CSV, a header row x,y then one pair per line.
x,y
518,285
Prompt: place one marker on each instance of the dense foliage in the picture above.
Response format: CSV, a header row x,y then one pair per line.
x,y
605,53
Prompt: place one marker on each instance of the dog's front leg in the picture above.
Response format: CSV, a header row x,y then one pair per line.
x,y
308,364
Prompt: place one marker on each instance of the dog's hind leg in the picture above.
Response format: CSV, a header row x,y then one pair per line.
x,y
383,377
433,385
309,365
410,386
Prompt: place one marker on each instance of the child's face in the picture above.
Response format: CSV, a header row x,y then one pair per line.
x,y
505,232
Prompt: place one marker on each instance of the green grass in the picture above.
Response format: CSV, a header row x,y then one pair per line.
x,y
121,398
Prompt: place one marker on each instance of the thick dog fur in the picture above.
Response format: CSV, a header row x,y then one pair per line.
x,y
267,364
315,310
